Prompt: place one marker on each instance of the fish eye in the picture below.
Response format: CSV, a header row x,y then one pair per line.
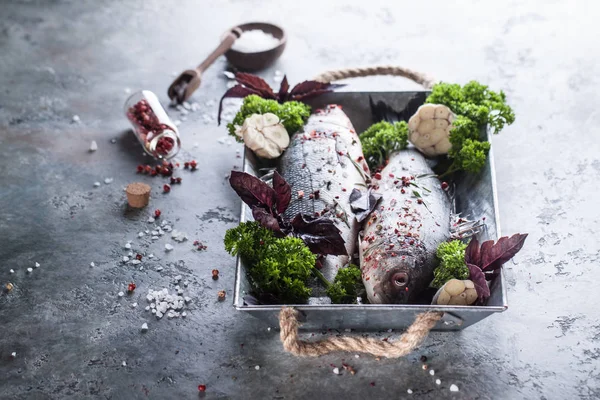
x,y
400,279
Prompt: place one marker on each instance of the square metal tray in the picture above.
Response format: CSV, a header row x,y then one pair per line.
x,y
475,197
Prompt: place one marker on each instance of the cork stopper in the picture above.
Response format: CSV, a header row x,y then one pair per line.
x,y
138,194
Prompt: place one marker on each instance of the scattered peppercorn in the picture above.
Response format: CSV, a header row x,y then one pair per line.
x,y
221,295
140,169
445,185
131,287
138,257
148,169
186,165
178,179
157,213
173,181
193,165
215,274
202,388
425,366
166,188
423,359
9,286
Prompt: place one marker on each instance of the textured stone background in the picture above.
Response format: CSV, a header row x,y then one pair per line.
x,y
71,333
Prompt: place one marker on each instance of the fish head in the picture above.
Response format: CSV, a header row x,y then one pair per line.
x,y
399,282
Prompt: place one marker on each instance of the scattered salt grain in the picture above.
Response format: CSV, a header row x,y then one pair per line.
x,y
277,79
76,118
93,146
29,270
453,388
183,314
12,271
336,371
185,283
126,90
113,140
177,122
431,372
438,382
96,184
134,305
150,255
125,258
120,294
37,265
154,238
356,356
13,354
229,74
269,329
124,363
168,247
147,308
141,234
159,269
409,391
144,327
187,299
127,245
255,40
159,315
108,180
151,219
153,311
257,367
92,264
135,262
177,278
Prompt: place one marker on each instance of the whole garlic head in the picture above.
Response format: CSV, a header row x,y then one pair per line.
x,y
263,134
429,129
456,292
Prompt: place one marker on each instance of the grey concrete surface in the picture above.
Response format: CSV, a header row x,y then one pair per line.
x,y
65,321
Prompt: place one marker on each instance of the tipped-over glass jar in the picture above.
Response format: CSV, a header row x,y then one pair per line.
x,y
152,126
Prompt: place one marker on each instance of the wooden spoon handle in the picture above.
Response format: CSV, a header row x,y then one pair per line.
x,y
220,50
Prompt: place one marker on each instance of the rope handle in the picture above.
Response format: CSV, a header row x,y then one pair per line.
x,y
336,75
414,335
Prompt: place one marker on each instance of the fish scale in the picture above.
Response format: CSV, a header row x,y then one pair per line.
x,y
326,157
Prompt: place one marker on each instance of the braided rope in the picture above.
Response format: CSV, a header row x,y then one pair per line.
x,y
410,339
336,75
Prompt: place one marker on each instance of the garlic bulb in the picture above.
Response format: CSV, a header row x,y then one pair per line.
x,y
429,129
265,135
456,292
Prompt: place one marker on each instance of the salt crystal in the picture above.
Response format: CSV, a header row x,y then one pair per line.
x,y
183,112
135,262
93,146
120,294
177,287
257,367
154,233
183,314
37,265
134,305
168,247
180,291
130,254
453,388
177,122
96,184
153,305
196,144
409,391
195,106
177,278
438,382
147,308
356,356
229,75
126,90
144,327
153,311
92,264
108,180
390,330
255,40
185,283
12,271
187,299
277,79
154,238
159,315
124,363
158,269
76,118
269,329
13,354
347,330
336,371
431,372
127,245
141,234
146,231
113,140
150,255
151,219
125,258
186,105
222,140
29,270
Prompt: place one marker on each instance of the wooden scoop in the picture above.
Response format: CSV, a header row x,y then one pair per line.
x,y
185,84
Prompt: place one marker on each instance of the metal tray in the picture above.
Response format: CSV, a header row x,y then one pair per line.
x,y
475,196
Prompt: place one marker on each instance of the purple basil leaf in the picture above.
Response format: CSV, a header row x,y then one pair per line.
x,y
308,95
478,278
309,86
283,90
501,252
256,83
265,218
363,204
237,91
283,192
472,255
320,235
252,190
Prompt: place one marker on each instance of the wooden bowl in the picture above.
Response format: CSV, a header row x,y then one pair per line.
x,y
261,59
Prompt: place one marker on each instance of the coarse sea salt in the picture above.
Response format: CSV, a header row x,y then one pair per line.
x,y
438,382
453,388
409,391
144,327
96,184
255,40
168,247
93,146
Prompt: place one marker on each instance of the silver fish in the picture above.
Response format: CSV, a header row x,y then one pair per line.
x,y
323,164
399,240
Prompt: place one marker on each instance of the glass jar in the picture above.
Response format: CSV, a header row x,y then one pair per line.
x,y
152,126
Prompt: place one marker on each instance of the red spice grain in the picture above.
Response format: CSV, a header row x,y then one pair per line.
x,y
166,188
215,274
202,388
157,213
131,287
